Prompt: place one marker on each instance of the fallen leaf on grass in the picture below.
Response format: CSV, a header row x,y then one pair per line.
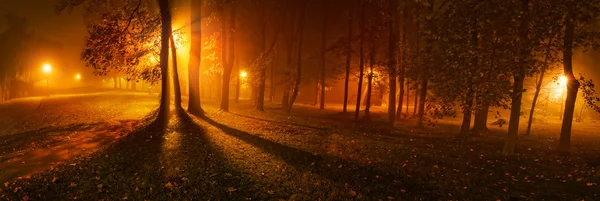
x,y
54,180
352,193
231,189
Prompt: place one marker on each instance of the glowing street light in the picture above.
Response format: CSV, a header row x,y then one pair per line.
x,y
47,68
78,76
243,74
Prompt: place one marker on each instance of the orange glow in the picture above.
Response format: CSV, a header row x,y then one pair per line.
x,y
560,89
562,80
47,68
78,76
243,74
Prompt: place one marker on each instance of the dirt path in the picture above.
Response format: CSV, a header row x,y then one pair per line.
x,y
59,145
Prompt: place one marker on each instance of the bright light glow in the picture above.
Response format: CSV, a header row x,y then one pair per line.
x,y
243,74
178,40
47,68
562,80
152,59
560,89
78,76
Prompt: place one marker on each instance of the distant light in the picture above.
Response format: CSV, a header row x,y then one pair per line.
x,y
560,90
47,68
562,80
152,59
243,74
78,76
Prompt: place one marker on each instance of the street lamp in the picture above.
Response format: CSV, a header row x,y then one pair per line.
x,y
47,69
243,74
78,76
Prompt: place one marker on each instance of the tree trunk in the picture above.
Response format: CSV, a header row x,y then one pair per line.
x,y
299,59
272,75
466,122
361,62
323,55
115,82
572,85
348,63
407,96
370,76
515,113
176,85
286,98
194,106
422,96
480,124
237,85
393,47
538,87
468,108
519,78
416,103
227,62
165,14
260,98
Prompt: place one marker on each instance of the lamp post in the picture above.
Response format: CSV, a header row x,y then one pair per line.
x,y
47,69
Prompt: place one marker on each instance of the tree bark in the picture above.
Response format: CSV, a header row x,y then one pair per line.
x,y
361,62
393,48
176,85
237,86
572,85
468,108
371,73
165,14
194,106
519,78
260,98
466,122
348,63
538,87
323,56
407,96
481,116
416,103
401,67
227,62
299,59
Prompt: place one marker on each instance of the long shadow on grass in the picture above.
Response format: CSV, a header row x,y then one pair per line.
x,y
372,181
281,122
136,168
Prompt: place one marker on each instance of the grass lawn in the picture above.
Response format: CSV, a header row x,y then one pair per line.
x,y
308,154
